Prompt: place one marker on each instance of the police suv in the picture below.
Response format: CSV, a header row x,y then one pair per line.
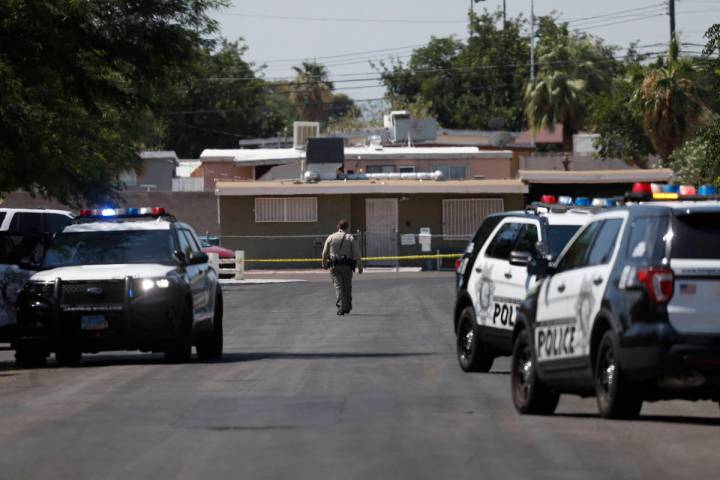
x,y
121,280
493,277
629,312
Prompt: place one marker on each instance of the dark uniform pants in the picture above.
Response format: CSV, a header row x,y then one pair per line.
x,y
342,278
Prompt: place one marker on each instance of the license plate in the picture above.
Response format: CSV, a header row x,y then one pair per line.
x,y
93,322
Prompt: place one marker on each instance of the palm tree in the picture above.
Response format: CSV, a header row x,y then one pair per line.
x,y
669,103
556,98
312,90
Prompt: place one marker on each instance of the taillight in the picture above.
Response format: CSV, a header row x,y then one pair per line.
x,y
659,283
458,264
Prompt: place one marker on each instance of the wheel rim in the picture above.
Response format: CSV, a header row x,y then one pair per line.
x,y
523,372
466,336
607,372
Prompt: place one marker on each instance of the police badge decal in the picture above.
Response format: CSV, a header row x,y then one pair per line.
x,y
584,306
485,289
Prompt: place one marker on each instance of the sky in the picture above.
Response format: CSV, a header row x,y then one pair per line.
x,y
346,35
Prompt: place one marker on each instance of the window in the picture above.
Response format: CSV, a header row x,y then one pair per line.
x,y
696,236
55,222
407,169
184,243
604,244
452,172
646,240
27,222
2,217
528,239
286,210
129,178
461,217
577,252
504,241
190,242
559,236
380,169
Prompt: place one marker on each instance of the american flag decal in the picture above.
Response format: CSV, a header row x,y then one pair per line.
x,y
688,289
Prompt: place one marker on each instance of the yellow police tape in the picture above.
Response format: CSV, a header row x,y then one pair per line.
x,y
366,259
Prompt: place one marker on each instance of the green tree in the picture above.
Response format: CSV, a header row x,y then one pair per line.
x,y
669,103
477,84
217,100
573,68
77,78
312,91
697,161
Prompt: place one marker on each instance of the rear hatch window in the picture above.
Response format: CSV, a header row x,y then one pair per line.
x,y
695,261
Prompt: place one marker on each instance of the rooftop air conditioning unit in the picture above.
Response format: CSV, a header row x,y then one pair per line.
x,y
302,131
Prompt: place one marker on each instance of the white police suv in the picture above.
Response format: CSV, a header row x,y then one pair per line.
x,y
493,277
629,312
121,279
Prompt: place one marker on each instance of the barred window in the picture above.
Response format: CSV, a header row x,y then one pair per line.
x,y
462,217
286,209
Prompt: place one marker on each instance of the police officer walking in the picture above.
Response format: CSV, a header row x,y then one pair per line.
x,y
341,254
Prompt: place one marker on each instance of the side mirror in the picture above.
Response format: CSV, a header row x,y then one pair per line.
x,y
542,248
541,266
198,258
520,259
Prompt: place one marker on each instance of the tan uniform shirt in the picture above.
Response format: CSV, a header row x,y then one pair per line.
x,y
350,248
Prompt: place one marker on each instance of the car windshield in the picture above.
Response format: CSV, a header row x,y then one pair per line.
x,y
107,248
559,236
696,236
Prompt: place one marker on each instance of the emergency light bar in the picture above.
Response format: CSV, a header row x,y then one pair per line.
x,y
123,212
642,191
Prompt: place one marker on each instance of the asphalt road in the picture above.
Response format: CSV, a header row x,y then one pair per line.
x,y
303,393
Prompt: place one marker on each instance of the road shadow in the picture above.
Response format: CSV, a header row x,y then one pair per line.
x,y
108,360
676,419
255,356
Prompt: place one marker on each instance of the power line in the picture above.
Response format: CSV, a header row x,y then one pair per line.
x,y
613,14
338,19
342,55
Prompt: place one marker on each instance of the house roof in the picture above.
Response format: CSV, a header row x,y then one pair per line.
x,y
596,176
169,155
338,187
253,156
542,136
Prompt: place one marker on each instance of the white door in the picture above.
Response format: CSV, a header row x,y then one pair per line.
x,y
569,301
496,287
381,218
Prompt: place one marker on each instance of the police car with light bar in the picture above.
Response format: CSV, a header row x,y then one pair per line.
x,y
630,311
121,279
492,277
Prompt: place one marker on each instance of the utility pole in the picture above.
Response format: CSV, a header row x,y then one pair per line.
x,y
504,14
532,61
671,12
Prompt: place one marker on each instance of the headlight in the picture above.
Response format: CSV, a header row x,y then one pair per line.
x,y
39,288
150,283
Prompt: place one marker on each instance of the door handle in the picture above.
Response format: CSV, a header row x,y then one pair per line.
x,y
597,280
478,269
508,275
561,287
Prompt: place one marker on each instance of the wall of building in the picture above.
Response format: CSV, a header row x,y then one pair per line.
x,y
156,174
305,240
198,209
222,171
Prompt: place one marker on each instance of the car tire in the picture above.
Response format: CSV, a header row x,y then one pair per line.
x,y
30,357
616,397
530,395
211,347
471,355
180,351
68,356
